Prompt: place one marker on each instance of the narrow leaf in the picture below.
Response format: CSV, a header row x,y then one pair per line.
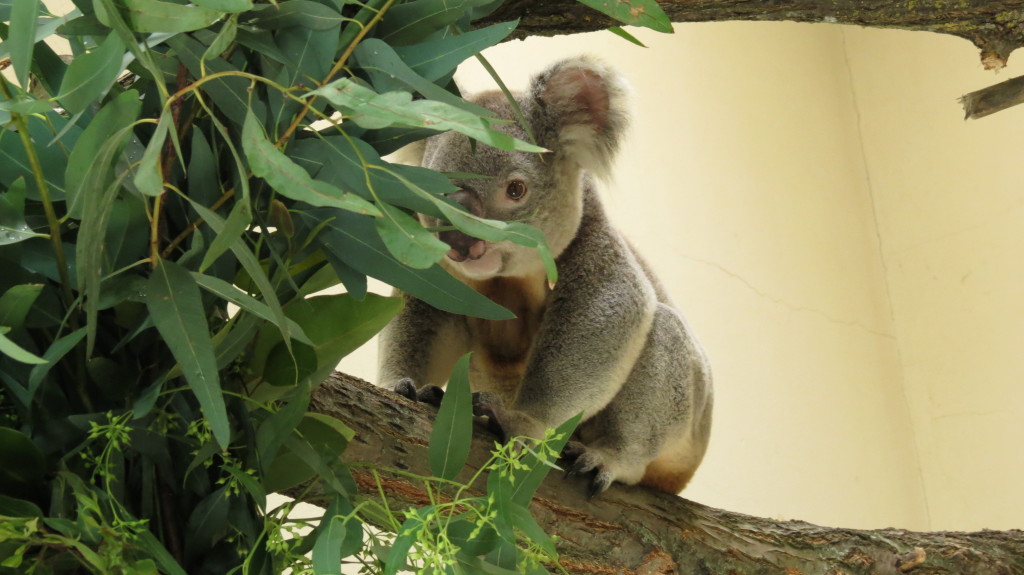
x,y
452,435
176,306
246,302
621,33
148,177
374,111
408,533
351,238
437,58
15,351
226,5
407,240
53,354
22,38
644,13
90,75
289,179
156,16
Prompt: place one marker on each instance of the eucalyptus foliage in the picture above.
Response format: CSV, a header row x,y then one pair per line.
x,y
174,195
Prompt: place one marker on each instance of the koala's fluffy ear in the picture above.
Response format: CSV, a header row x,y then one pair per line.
x,y
579,110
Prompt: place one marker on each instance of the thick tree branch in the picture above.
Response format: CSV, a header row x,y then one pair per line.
x,y
637,531
996,28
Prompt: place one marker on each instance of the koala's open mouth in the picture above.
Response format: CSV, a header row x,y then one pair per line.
x,y
464,246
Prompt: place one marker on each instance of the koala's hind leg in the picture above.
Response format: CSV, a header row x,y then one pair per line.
x,y
655,431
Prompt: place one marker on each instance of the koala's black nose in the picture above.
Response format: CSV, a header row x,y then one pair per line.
x,y
468,198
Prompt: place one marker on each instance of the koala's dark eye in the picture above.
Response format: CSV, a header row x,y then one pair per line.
x,y
516,189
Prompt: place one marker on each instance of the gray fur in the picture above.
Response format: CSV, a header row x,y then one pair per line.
x,y
605,340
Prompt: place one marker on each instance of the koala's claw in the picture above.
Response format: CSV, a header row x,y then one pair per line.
x,y
489,405
587,462
430,394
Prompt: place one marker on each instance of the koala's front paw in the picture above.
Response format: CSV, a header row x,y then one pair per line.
x,y
430,394
588,461
490,406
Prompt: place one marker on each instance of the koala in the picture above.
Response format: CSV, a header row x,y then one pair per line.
x,y
604,340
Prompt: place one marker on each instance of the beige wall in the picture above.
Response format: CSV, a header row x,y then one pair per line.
x,y
846,247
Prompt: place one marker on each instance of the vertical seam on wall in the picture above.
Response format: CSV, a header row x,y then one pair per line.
x,y
885,275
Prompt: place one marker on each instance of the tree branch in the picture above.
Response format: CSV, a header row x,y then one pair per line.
x,y
996,28
635,530
993,99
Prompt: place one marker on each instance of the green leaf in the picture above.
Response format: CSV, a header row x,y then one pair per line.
x,y
53,354
24,465
22,39
338,324
276,429
408,533
12,507
208,522
373,111
389,73
644,13
339,535
407,240
16,303
252,266
15,351
155,16
229,93
13,228
250,484
148,177
236,223
352,239
26,105
521,518
300,13
90,75
437,58
246,302
90,164
327,549
226,5
224,38
620,32
452,435
289,179
176,306
91,194
413,21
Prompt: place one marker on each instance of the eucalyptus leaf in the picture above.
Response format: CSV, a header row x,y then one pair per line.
x,y
15,351
373,111
226,5
646,13
156,16
352,239
175,304
291,180
452,435
245,301
295,13
21,38
16,302
90,75
407,240
437,58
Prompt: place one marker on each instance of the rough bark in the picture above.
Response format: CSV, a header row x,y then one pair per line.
x,y
638,531
996,28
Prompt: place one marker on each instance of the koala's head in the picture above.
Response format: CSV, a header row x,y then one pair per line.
x,y
576,109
